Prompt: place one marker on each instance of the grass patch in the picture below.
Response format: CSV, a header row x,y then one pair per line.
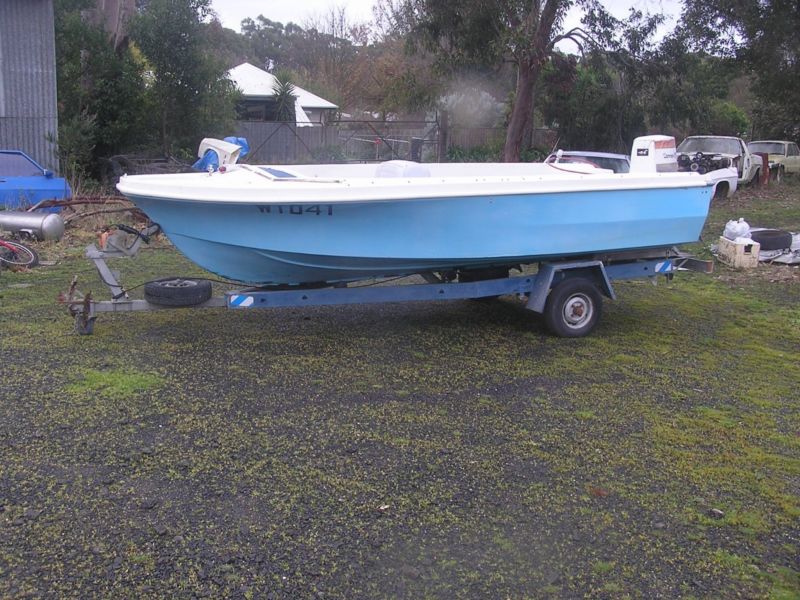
x,y
603,567
116,384
423,450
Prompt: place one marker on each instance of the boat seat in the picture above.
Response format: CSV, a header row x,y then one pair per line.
x,y
402,168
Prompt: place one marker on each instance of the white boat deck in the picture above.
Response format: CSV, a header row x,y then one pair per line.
x,y
392,181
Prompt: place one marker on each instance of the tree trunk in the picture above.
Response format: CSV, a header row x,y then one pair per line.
x,y
521,111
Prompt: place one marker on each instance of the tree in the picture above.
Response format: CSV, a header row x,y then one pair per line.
x,y
192,96
763,34
284,98
489,32
102,105
584,101
321,55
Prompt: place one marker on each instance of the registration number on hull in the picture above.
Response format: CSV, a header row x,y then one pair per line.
x,y
296,209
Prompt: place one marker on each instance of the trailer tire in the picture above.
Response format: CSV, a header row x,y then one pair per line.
x,y
573,308
772,239
177,291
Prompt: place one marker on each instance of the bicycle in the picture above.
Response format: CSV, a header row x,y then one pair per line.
x,y
14,255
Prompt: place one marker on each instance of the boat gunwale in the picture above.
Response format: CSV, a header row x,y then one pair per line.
x,y
396,189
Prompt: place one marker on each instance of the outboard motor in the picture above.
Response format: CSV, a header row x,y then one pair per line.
x,y
653,154
214,153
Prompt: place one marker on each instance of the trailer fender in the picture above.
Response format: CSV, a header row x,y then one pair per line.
x,y
550,274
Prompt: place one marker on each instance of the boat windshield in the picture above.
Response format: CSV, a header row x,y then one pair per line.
x,y
710,145
768,147
279,174
618,165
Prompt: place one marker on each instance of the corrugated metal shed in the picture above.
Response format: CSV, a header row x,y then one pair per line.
x,y
28,110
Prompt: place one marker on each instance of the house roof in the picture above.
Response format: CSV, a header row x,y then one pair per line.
x,y
257,83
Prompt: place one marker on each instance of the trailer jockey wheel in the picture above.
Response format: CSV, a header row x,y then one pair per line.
x,y
573,308
175,291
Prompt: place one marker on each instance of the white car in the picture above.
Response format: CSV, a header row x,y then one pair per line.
x,y
619,163
697,149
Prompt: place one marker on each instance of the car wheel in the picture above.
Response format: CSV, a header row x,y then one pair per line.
x,y
772,239
756,180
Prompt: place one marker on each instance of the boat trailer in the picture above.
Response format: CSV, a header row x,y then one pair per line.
x,y
566,292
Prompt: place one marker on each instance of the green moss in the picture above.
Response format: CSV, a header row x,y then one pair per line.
x,y
603,567
115,383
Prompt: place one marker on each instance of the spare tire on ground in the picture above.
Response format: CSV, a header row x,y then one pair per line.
x,y
177,291
772,239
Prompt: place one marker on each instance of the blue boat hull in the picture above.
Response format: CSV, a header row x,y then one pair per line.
x,y
347,241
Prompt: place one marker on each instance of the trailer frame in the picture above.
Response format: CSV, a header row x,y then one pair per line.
x,y
566,291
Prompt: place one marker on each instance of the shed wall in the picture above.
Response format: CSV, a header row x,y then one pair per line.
x,y
28,110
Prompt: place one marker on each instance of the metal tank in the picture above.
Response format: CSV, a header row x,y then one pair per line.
x,y
42,226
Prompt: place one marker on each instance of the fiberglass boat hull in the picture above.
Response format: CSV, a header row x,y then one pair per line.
x,y
333,242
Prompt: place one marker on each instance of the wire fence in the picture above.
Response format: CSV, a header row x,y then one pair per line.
x,y
371,141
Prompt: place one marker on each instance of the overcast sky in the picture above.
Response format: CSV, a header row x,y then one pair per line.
x,y
231,12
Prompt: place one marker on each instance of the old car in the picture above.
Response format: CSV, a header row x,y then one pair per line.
x,y
784,157
619,163
712,152
24,182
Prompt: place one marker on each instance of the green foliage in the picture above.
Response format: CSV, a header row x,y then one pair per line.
x,y
270,40
588,104
102,105
762,36
323,56
118,384
285,100
479,33
725,118
76,144
167,87
188,89
458,33
689,89
632,86
491,153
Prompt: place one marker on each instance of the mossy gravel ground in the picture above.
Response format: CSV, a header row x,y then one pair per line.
x,y
423,450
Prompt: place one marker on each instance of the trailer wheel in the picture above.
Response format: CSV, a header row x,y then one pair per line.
x,y
573,308
176,291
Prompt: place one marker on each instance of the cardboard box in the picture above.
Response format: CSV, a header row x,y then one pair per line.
x,y
738,255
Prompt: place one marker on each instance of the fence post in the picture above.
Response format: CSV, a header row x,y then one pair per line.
x,y
443,127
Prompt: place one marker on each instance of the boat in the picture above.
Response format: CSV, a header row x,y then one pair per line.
x,y
331,223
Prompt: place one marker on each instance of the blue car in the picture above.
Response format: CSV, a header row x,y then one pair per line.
x,y
24,182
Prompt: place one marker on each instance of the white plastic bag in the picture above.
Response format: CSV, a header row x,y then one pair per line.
x,y
737,229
